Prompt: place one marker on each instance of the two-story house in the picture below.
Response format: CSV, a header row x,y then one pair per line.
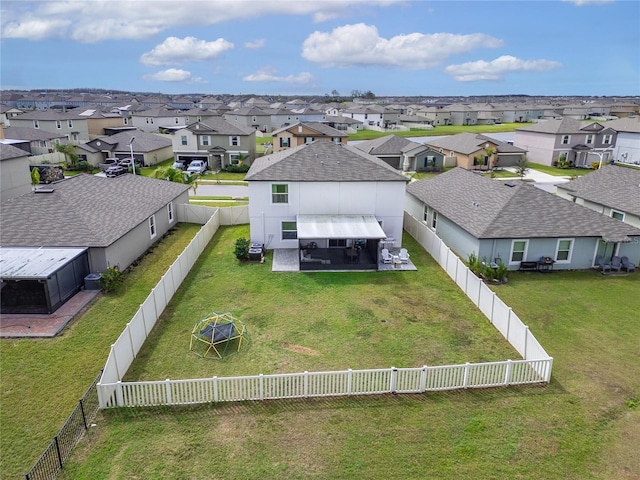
x,y
71,125
219,143
580,144
325,196
40,141
153,119
252,117
627,146
305,133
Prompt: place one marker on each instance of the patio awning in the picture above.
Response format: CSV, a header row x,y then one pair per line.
x,y
339,226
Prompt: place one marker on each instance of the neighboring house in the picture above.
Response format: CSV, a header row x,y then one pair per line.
x,y
40,141
325,194
473,151
344,124
436,115
403,154
117,219
7,112
99,121
372,116
551,141
253,117
516,222
219,143
148,148
15,177
304,133
613,190
463,114
71,125
153,119
627,146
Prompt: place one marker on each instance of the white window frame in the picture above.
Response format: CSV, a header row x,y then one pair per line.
x,y
170,212
606,139
285,142
125,121
308,140
617,215
433,225
153,230
425,215
177,121
283,231
566,140
590,139
205,140
36,124
277,196
569,253
70,123
58,124
184,140
234,141
524,251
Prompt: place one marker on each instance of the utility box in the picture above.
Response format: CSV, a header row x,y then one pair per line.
x,y
92,281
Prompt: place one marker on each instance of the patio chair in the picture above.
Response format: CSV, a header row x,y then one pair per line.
x,y
386,256
616,264
604,267
404,255
627,265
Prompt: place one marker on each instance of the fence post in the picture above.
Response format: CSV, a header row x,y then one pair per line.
x,y
306,384
465,382
349,378
526,337
493,305
115,361
119,396
215,389
58,450
168,390
133,348
507,373
392,382
84,418
423,379
508,324
261,380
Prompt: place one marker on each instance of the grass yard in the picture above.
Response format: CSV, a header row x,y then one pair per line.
x,y
437,131
42,379
584,425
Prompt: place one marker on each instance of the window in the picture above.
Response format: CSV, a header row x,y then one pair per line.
x,y
308,140
606,140
147,119
425,214
234,158
177,121
285,142
336,140
152,226
234,141
366,116
183,140
74,137
337,242
566,139
254,119
170,211
36,124
589,139
518,251
279,193
125,121
434,219
199,119
563,250
70,123
42,144
206,140
617,215
58,124
289,231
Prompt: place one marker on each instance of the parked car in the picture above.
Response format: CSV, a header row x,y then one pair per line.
x,y
108,162
126,163
197,166
179,165
115,170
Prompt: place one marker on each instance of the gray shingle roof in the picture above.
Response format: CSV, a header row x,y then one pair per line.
x,y
614,186
566,125
387,145
219,126
84,211
31,134
488,208
471,142
9,151
627,124
322,161
321,128
143,141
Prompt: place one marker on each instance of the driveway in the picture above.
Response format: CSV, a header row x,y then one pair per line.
x,y
542,180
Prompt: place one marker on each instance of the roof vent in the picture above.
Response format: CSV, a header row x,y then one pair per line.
x,y
43,190
510,185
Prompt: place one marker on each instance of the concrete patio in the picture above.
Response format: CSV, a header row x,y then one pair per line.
x,y
288,260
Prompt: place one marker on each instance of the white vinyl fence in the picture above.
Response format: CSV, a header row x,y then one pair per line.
x,y
535,368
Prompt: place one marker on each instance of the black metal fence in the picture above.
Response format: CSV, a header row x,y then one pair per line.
x,y
54,456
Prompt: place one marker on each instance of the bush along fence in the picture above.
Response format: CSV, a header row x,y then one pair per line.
x,y
535,367
54,456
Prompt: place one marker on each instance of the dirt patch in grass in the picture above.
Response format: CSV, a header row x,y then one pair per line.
x,y
299,349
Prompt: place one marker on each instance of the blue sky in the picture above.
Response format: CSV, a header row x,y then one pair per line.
x,y
307,47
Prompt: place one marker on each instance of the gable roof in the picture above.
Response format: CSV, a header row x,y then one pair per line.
x,y
142,141
8,152
488,208
613,186
627,124
467,143
322,161
566,125
321,128
219,126
387,145
30,134
84,211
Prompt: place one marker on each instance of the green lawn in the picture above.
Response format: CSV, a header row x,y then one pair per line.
x,y
437,131
42,379
583,425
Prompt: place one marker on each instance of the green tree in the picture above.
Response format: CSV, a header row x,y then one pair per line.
x,y
69,150
171,174
522,167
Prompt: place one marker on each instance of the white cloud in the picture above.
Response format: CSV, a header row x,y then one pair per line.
x,y
255,44
173,75
268,75
496,69
189,49
361,44
100,20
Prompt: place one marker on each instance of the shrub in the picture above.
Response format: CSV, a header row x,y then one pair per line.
x,y
84,166
111,279
240,168
241,248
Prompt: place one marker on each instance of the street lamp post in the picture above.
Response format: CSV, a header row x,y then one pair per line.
x,y
133,163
